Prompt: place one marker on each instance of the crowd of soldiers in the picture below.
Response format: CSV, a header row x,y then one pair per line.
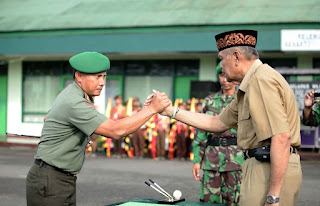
x,y
160,138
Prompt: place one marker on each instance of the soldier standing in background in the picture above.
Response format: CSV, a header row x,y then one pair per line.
x,y
311,116
181,137
138,137
117,112
163,131
218,155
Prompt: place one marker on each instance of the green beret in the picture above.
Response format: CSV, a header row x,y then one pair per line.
x,y
218,69
90,62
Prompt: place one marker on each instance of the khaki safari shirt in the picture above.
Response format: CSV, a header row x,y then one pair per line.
x,y
264,106
66,131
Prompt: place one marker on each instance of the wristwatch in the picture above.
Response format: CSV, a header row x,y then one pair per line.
x,y
272,199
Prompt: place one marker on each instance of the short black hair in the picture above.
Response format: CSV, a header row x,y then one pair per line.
x,y
74,73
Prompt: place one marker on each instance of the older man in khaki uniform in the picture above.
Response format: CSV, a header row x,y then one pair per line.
x,y
266,117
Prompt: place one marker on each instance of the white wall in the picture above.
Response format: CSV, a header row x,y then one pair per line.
x,y
14,112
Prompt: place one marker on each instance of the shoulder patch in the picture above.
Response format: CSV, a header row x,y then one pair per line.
x,y
89,104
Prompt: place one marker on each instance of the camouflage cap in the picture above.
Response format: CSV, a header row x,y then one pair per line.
x,y
218,69
90,62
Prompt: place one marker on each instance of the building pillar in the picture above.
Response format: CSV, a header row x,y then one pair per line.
x,y
15,124
14,102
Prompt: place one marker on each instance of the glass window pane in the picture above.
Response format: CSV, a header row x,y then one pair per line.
x,y
278,63
136,68
141,86
187,68
67,68
115,68
316,63
41,85
162,68
42,68
40,92
112,89
3,68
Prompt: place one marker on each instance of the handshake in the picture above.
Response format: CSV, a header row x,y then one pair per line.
x,y
160,103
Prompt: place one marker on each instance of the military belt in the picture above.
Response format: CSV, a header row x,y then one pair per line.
x,y
46,165
263,153
222,141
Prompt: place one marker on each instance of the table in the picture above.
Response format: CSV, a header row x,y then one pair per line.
x,y
147,202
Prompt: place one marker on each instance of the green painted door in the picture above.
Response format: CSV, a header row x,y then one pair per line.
x,y
182,87
3,100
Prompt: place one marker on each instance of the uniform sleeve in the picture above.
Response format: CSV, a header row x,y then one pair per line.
x,y
85,117
229,116
267,108
200,141
314,117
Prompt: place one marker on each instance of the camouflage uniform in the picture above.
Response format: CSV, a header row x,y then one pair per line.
x,y
221,164
314,117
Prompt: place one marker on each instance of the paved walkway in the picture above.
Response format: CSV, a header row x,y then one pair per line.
x,y
104,181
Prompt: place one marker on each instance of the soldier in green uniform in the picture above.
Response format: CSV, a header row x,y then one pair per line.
x,y
72,119
311,115
218,155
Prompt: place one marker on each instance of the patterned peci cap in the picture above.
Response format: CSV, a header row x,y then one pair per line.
x,y
90,62
236,38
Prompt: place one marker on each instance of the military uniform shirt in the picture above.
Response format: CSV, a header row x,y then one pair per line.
x,y
67,128
314,117
264,106
216,158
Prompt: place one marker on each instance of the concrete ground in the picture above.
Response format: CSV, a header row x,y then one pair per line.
x,y
104,181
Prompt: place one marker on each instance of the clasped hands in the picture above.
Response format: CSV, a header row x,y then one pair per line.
x,y
160,103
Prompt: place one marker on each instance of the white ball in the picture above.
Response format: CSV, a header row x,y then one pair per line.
x,y
177,194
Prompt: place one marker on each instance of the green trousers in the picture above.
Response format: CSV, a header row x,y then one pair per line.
x,y
48,187
220,187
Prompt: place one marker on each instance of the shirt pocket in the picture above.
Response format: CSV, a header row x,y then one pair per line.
x,y
245,127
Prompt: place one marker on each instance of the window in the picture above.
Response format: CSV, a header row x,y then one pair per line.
x,y
41,85
279,63
115,68
282,63
43,81
143,76
136,68
187,68
161,68
3,68
316,63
